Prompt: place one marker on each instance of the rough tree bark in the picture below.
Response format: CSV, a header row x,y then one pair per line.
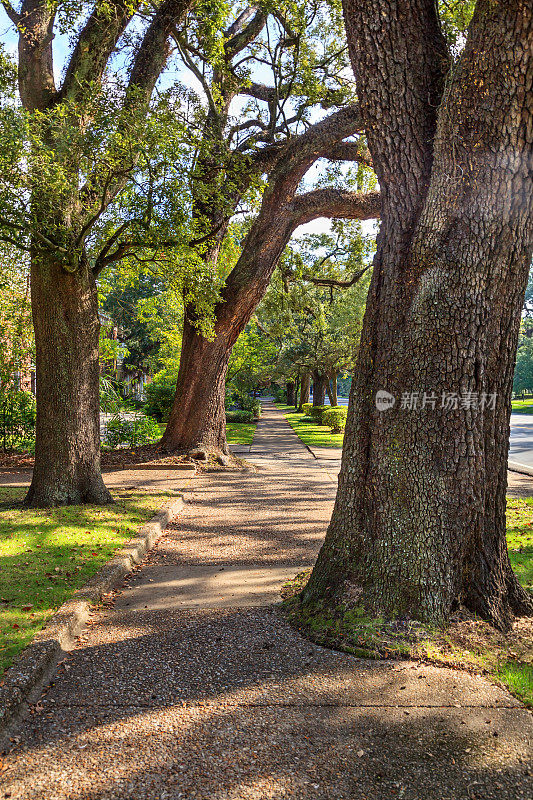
x,y
334,392
199,419
291,393
320,386
331,387
304,390
281,212
419,520
67,458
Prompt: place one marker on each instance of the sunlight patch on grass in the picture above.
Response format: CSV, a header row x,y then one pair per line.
x,y
518,678
308,431
240,432
522,406
46,554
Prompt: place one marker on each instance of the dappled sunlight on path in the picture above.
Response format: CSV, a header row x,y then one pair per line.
x,y
192,685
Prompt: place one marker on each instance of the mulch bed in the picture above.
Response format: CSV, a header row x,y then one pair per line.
x,y
15,462
146,454
121,457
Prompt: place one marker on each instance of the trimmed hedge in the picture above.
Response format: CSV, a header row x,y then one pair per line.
x,y
315,412
239,415
306,408
335,418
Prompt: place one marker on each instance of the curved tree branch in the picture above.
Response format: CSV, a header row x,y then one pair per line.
x,y
95,45
333,203
241,33
348,151
13,15
332,282
154,49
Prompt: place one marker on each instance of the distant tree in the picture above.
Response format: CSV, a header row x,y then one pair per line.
x,y
314,306
252,361
123,300
523,374
16,332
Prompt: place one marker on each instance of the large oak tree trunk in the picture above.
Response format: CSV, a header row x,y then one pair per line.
x,y
320,385
67,445
419,521
198,418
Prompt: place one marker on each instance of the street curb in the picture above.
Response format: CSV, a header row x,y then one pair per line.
x,y
513,466
36,664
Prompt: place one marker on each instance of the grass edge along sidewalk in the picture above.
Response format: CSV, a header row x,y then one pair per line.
x,y
46,555
522,406
36,663
308,431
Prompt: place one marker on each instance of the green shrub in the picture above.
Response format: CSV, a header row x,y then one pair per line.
x,y
245,402
111,401
315,412
160,396
239,415
17,421
306,408
132,432
335,418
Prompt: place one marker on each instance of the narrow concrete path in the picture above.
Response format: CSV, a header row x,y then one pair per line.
x,y
191,685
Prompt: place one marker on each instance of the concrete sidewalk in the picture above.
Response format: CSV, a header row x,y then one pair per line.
x,y
192,685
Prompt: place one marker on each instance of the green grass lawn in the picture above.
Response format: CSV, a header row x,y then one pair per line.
x,y
308,431
240,432
522,406
520,539
236,432
45,554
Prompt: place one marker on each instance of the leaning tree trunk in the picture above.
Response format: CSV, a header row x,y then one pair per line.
x,y
320,384
418,526
281,212
305,387
67,443
197,418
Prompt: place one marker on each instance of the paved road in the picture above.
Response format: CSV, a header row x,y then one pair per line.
x,y
521,441
193,687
